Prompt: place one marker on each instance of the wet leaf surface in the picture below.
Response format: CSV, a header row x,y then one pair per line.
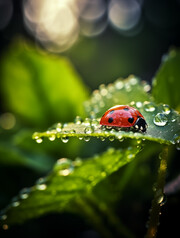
x,y
68,182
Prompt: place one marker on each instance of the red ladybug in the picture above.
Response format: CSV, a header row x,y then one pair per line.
x,y
123,116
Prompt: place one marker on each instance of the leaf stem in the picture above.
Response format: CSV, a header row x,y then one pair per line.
x,y
158,199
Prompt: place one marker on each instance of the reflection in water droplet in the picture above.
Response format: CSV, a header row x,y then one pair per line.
x,y
65,139
149,107
102,138
24,193
52,137
133,80
87,122
58,127
39,140
78,120
65,167
160,119
16,203
166,109
3,217
119,84
176,140
138,104
41,187
89,130
86,138
111,138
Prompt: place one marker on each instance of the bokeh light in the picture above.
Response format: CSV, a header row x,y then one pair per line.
x,y
7,121
58,23
124,14
53,22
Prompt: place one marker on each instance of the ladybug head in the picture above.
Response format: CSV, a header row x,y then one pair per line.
x,y
140,124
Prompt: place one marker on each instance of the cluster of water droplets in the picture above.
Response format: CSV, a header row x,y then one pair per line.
x,y
108,95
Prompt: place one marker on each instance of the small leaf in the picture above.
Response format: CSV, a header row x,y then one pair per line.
x,y
163,127
40,88
69,180
166,84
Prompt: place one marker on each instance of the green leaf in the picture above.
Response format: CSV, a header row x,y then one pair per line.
x,y
121,92
68,182
40,88
166,83
13,154
163,122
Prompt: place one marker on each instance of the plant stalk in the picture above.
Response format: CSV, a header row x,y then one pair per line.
x,y
158,199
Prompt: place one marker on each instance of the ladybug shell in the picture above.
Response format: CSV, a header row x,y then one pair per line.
x,y
121,116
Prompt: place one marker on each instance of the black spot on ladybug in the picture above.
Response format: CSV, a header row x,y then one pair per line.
x,y
111,112
126,109
130,119
110,120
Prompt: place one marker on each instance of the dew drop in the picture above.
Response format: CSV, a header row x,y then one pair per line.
x,y
119,84
128,87
102,138
58,127
173,118
72,131
160,119
78,120
138,104
95,122
87,122
86,138
39,140
65,166
147,87
111,138
176,140
3,217
24,193
15,204
149,107
160,199
40,184
41,187
65,139
133,81
52,137
89,130
166,109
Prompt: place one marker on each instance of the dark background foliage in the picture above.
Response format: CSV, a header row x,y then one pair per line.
x,y
98,60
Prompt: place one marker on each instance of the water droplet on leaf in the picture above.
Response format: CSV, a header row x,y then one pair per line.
x,y
39,140
149,107
41,187
52,137
58,127
64,166
65,139
89,130
166,109
176,140
160,119
86,138
111,138
138,104
78,120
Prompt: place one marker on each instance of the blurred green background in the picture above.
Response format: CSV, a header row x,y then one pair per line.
x,y
52,55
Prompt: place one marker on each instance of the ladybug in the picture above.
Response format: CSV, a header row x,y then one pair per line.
x,y
122,116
